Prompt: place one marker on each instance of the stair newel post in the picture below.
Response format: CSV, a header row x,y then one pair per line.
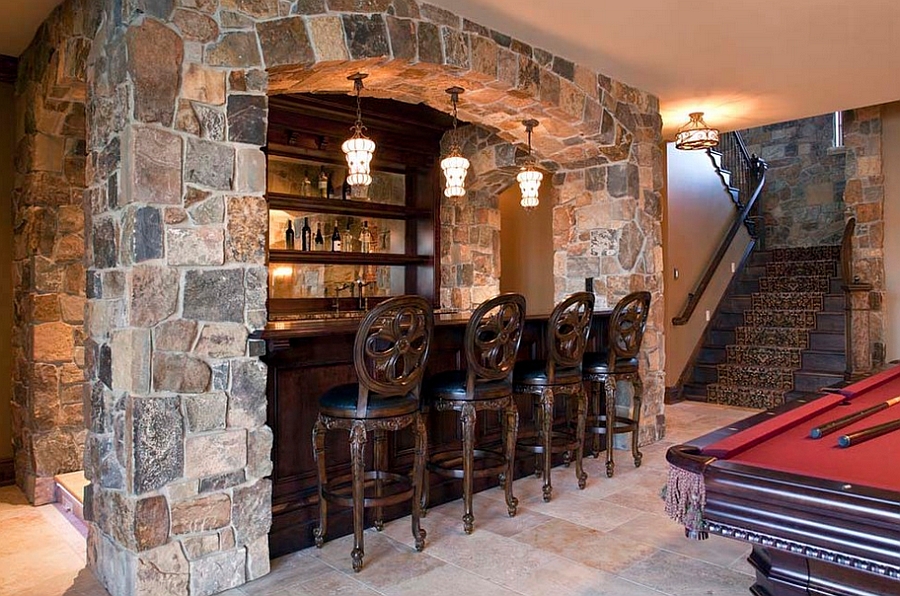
x,y
856,311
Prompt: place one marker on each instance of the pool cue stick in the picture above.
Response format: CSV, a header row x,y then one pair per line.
x,y
829,427
868,433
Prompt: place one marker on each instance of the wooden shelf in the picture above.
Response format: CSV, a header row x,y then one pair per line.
x,y
288,202
346,258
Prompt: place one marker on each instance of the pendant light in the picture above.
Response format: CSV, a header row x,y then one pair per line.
x,y
696,134
358,149
529,178
455,165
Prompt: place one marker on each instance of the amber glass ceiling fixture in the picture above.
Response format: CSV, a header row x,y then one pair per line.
x,y
696,134
358,149
455,165
529,178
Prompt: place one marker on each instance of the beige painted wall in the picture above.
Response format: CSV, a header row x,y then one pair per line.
x,y
7,135
698,213
526,253
891,163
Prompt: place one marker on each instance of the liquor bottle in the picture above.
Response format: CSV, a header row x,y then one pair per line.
x,y
336,239
348,238
365,238
289,235
345,188
329,190
305,235
320,242
306,189
323,183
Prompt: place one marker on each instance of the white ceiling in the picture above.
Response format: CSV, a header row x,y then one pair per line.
x,y
743,62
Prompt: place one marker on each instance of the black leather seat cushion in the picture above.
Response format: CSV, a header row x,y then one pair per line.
x,y
597,363
533,372
340,402
451,385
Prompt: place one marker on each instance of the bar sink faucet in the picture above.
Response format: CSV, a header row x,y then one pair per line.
x,y
363,299
337,295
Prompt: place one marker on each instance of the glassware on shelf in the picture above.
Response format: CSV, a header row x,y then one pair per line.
x,y
347,239
365,238
306,186
323,183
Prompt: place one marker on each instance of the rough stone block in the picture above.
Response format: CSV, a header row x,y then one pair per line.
x,y
143,234
155,168
201,514
217,572
259,452
328,38
209,212
247,118
105,242
180,373
157,441
251,513
45,308
366,35
250,173
211,121
174,336
222,340
430,44
210,454
247,398
206,85
154,294
258,558
214,295
53,342
246,242
236,49
221,482
209,164
156,75
163,570
130,349
196,26
72,309
285,41
205,412
151,522
200,546
195,246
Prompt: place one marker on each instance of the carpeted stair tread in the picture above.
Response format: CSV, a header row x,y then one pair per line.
x,y
787,300
807,253
805,319
792,337
764,377
823,268
795,284
777,357
746,397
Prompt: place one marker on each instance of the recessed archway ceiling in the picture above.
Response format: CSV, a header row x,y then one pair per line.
x,y
744,64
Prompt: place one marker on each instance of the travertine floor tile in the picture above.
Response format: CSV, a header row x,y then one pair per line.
x,y
677,575
448,581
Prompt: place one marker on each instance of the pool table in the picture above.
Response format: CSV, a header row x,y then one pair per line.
x,y
822,519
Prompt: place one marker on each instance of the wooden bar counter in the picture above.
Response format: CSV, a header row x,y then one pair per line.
x,y
307,357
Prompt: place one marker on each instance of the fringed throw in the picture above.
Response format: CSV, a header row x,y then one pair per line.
x,y
686,500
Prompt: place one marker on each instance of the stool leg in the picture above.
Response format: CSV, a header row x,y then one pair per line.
x,y
357,465
318,436
595,411
609,394
421,432
580,420
636,417
547,437
380,466
467,418
512,429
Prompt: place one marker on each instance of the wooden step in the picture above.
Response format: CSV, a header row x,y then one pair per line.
x,y
70,492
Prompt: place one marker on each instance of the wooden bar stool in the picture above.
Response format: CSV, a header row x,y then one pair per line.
x,y
389,355
559,374
618,363
491,342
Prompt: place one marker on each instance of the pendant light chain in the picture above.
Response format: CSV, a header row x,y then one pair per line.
x,y
455,166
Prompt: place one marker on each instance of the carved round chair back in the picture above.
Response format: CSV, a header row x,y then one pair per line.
x,y
391,349
626,327
568,330
492,339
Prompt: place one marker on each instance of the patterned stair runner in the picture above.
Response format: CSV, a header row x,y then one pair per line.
x,y
759,368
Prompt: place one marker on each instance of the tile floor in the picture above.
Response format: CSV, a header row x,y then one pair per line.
x,y
610,539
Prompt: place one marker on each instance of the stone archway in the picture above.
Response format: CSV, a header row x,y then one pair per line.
x,y
178,449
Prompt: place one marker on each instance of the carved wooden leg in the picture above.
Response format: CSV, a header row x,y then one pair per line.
x,y
580,419
595,411
357,465
467,417
636,416
547,437
318,437
610,396
512,429
538,413
381,465
421,432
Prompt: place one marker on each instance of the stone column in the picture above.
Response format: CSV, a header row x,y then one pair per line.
x,y
178,449
857,331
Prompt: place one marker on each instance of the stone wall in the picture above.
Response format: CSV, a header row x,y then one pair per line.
x,y
802,204
48,273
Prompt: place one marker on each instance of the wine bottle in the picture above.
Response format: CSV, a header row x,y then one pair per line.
x,y
347,240
320,242
305,235
365,238
289,235
329,189
345,188
323,183
336,239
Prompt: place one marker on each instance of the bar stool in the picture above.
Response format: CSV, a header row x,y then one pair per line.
x,y
619,362
389,356
559,374
491,342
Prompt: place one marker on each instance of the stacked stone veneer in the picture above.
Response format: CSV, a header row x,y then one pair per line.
x,y
48,270
177,448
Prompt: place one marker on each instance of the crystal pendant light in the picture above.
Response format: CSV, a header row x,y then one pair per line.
x,y
455,165
358,149
529,178
696,134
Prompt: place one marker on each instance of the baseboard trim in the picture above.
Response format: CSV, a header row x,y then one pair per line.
x,y
7,471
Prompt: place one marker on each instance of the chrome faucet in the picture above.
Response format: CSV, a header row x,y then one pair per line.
x,y
337,295
363,299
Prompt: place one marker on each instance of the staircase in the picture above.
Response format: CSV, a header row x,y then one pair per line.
x,y
778,333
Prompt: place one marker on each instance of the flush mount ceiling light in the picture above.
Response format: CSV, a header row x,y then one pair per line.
x,y
529,178
455,165
696,134
358,149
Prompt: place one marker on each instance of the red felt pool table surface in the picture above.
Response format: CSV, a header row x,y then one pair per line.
x,y
784,443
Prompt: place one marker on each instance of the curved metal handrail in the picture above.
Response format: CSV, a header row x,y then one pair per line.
x,y
749,172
